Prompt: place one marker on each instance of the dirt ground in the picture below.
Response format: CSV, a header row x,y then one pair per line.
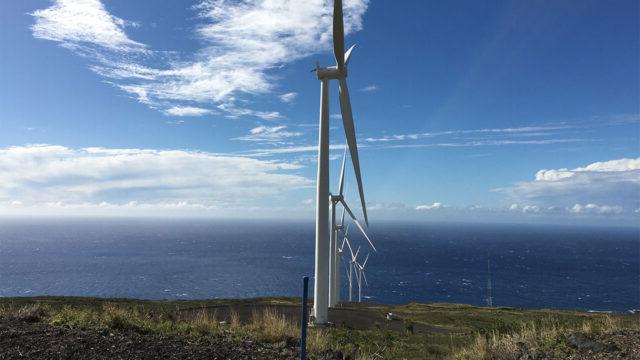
x,y
39,341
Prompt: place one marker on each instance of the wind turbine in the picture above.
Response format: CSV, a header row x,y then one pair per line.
x,y
361,275
352,263
334,255
323,241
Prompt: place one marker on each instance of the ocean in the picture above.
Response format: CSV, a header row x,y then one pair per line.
x,y
532,266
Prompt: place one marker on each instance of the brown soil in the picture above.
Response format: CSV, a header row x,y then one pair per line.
x,y
35,341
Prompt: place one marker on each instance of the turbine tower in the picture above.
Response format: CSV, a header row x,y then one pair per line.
x,y
323,241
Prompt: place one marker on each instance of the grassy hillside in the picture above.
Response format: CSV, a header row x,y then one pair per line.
x,y
424,331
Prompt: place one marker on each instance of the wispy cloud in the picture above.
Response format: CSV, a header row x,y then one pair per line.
x,y
370,88
288,97
38,175
236,112
289,150
243,42
269,134
488,143
537,130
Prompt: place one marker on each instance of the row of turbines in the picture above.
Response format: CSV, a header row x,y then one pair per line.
x,y
351,264
328,254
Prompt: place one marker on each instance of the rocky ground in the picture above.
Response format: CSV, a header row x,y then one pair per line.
x,y
36,340
623,344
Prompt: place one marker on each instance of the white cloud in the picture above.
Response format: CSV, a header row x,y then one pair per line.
x,y
613,165
49,175
243,42
615,183
434,206
288,97
186,111
525,208
269,134
605,166
596,209
76,23
370,88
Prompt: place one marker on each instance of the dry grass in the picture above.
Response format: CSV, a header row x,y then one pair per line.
x,y
547,335
205,323
317,340
271,326
28,313
234,320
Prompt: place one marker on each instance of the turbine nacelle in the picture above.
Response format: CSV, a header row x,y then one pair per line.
x,y
334,72
330,73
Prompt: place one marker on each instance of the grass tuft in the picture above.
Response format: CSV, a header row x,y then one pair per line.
x,y
30,313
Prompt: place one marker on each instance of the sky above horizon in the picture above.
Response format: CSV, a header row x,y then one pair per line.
x,y
465,111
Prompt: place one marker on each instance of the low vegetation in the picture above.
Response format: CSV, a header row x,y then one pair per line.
x,y
424,331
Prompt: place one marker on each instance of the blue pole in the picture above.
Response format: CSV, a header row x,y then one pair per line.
x,y
303,324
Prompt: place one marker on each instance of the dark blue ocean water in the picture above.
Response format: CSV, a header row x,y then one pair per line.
x,y
532,266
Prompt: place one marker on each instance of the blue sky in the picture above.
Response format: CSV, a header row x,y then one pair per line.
x,y
467,111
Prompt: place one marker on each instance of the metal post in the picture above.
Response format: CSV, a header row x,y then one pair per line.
x,y
304,321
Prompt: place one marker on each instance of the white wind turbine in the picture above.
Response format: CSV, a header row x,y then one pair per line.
x,y
360,269
335,252
352,262
323,231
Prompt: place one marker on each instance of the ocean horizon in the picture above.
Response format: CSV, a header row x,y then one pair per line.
x,y
532,266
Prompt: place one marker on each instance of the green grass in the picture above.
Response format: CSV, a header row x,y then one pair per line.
x,y
479,332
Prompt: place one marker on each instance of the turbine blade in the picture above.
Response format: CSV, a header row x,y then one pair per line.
x,y
342,171
338,34
357,252
347,55
346,231
365,278
365,261
350,132
349,246
346,207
